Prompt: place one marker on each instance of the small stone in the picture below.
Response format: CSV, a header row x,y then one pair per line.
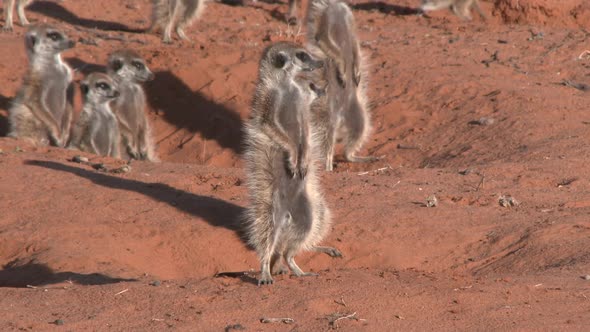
x,y
1,151
586,277
59,322
507,201
18,149
99,167
79,159
155,283
122,169
483,121
431,201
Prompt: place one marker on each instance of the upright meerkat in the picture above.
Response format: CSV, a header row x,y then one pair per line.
x,y
20,10
41,111
287,212
129,71
344,115
461,8
175,14
97,130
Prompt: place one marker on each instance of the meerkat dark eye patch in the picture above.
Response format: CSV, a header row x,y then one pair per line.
x,y
117,64
279,60
55,36
303,57
138,65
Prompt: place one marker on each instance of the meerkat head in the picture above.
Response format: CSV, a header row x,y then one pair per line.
x,y
291,61
127,65
98,88
46,41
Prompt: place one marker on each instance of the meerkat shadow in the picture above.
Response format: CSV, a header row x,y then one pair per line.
x,y
85,67
58,12
386,8
18,275
191,110
216,212
4,105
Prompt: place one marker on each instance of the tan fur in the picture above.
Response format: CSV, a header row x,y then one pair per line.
x,y
20,10
97,130
41,111
280,164
461,8
175,14
344,115
129,107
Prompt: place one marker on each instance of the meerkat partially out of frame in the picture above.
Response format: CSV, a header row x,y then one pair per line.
x,y
461,8
287,212
331,30
175,14
97,130
129,71
20,11
41,111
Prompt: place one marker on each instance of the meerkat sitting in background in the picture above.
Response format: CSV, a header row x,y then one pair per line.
x,y
344,115
287,212
20,10
129,70
41,111
175,14
97,130
461,8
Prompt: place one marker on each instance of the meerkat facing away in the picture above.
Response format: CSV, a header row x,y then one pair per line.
x,y
129,70
461,8
287,212
97,130
20,10
344,116
42,111
175,14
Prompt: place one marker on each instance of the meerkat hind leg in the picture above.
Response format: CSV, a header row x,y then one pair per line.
x,y
20,10
276,265
295,269
332,252
8,7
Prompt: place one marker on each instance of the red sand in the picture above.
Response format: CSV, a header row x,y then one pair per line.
x,y
89,244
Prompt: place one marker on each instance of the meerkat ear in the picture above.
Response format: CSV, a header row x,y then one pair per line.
x,y
30,41
279,60
84,88
116,64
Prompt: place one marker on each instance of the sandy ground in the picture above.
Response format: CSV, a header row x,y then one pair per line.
x,y
465,111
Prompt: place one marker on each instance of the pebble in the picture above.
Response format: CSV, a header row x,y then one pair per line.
x,y
586,277
122,169
79,159
507,201
431,201
155,283
59,322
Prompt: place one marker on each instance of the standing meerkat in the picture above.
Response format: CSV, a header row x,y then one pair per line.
x,y
331,29
461,8
129,70
287,212
20,11
41,111
97,130
175,14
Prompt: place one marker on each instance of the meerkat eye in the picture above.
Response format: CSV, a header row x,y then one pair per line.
x,y
103,86
138,65
55,36
303,57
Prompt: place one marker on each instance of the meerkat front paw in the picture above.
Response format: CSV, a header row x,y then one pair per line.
x,y
265,279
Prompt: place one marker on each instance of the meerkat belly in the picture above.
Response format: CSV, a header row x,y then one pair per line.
x,y
55,98
102,132
290,118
